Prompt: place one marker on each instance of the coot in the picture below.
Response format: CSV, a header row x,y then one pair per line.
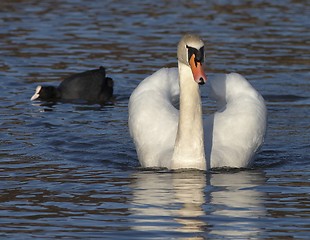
x,y
91,86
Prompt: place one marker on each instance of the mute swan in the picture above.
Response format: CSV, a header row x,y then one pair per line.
x,y
92,86
167,137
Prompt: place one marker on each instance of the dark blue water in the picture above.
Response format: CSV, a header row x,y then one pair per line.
x,y
71,171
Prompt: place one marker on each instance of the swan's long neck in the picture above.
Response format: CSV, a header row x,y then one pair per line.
x,y
189,145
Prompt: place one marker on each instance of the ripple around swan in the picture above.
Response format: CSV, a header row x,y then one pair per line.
x,y
71,170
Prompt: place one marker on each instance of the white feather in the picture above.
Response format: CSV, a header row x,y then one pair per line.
x,y
167,137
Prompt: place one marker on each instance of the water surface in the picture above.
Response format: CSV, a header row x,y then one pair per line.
x,y
71,171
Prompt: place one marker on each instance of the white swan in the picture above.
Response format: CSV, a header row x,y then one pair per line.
x,y
167,137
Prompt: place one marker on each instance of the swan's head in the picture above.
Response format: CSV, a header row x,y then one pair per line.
x,y
191,53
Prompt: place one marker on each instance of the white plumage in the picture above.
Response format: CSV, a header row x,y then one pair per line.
x,y
236,130
167,137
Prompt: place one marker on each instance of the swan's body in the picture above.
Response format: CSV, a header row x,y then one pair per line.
x,y
167,137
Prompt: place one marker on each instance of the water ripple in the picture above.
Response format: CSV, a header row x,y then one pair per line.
x,y
71,171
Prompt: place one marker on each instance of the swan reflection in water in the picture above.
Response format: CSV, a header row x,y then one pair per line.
x,y
200,204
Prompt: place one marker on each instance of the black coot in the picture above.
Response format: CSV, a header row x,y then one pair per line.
x,y
90,86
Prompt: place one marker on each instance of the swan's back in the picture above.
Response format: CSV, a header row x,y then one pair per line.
x,y
236,131
153,117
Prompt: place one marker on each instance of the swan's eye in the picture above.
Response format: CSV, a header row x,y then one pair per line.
x,y
199,54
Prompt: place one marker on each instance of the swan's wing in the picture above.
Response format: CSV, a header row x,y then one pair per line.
x,y
236,130
153,118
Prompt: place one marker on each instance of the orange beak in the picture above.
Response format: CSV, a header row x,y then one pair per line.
x,y
197,70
